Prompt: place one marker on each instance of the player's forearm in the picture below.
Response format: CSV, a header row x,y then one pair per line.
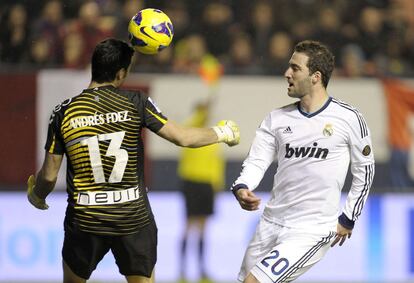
x,y
226,131
187,136
196,137
44,184
360,188
251,175
261,155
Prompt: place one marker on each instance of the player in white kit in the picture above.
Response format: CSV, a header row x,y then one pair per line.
x,y
313,141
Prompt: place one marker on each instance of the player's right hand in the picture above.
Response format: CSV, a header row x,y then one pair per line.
x,y
247,199
32,197
228,132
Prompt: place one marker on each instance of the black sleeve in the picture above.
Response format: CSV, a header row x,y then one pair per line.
x,y
152,117
54,142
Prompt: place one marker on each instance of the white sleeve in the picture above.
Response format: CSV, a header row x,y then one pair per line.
x,y
362,169
261,155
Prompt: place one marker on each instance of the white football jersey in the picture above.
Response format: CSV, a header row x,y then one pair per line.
x,y
313,152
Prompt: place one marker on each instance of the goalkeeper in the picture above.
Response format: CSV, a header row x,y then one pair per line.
x,y
99,131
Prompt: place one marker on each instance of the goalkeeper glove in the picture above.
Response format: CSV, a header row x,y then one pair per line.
x,y
32,197
228,132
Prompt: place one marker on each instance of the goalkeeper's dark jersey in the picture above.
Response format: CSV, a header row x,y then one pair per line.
x,y
100,133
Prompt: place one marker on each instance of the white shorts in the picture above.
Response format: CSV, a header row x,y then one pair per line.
x,y
280,254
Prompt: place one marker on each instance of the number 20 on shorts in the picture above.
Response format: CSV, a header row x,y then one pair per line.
x,y
277,264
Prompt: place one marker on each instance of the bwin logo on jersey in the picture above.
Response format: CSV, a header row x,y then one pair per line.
x,y
303,152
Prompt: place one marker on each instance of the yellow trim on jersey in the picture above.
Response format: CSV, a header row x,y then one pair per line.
x,y
156,116
104,232
87,221
52,146
107,214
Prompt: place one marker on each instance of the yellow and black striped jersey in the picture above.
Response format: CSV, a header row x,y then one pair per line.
x,y
100,133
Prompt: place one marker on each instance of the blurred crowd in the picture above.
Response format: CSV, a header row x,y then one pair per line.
x,y
368,37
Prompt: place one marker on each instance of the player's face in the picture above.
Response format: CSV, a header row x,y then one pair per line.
x,y
298,76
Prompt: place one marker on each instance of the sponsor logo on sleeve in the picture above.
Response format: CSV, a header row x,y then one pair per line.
x,y
155,105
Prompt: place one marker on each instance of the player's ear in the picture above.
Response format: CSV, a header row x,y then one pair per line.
x,y
316,77
121,74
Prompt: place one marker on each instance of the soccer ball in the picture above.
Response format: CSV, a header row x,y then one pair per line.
x,y
150,31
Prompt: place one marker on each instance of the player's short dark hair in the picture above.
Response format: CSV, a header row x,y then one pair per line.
x,y
110,56
320,58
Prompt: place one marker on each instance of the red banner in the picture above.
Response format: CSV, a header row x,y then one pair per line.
x,y
400,103
18,128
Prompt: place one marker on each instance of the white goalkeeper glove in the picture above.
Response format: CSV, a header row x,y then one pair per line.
x,y
32,197
228,132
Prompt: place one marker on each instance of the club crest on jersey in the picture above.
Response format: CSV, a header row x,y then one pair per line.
x,y
328,130
367,150
310,151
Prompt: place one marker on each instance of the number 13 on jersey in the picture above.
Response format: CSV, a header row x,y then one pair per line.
x,y
114,149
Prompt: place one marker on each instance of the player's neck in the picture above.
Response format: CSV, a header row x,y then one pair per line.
x,y
313,101
94,84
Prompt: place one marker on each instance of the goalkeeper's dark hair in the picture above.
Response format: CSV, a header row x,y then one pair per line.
x,y
110,56
320,58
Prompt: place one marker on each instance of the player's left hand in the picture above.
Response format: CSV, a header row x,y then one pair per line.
x,y
32,197
341,234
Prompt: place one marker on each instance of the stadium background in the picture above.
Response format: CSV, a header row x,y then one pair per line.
x,y
44,58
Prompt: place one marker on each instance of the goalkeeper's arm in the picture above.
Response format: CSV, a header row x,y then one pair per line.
x,y
39,187
226,131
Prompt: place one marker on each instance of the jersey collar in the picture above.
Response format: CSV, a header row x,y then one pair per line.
x,y
309,115
101,87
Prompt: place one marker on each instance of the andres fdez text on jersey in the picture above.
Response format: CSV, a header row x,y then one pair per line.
x,y
314,151
99,119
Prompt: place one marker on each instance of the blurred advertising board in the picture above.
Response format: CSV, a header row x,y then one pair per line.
x,y
381,248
